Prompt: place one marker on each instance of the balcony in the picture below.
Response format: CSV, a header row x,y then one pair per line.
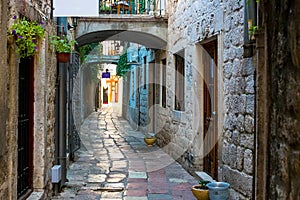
x,y
155,8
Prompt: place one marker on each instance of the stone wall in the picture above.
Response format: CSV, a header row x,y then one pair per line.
x,y
282,71
44,94
191,24
88,92
4,82
137,87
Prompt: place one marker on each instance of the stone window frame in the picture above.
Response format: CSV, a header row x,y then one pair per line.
x,y
163,63
179,97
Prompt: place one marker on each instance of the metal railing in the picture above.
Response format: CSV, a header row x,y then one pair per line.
x,y
135,7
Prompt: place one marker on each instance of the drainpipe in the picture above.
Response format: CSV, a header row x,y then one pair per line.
x,y
62,121
60,126
56,130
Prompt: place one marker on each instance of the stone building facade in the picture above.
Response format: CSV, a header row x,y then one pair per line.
x,y
201,33
203,101
278,101
42,95
138,99
254,109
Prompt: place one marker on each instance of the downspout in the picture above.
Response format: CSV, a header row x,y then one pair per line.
x,y
60,146
56,128
62,121
153,98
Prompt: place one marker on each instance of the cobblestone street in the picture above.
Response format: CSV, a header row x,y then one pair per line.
x,y
115,163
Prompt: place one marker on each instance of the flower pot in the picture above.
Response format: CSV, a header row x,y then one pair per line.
x,y
150,140
199,193
218,190
63,57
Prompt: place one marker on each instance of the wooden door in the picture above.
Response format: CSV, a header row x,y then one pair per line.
x,y
210,109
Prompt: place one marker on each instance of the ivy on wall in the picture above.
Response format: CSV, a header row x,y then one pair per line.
x,y
85,50
122,67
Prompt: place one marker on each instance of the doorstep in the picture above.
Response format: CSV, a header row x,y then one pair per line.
x,y
205,176
35,196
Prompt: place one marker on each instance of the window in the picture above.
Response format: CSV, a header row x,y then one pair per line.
x,y
164,83
179,81
145,72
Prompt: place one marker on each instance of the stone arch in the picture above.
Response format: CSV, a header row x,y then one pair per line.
x,y
151,33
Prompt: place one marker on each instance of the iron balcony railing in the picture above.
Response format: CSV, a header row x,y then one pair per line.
x,y
135,7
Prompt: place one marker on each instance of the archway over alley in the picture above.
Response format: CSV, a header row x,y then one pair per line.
x,y
148,31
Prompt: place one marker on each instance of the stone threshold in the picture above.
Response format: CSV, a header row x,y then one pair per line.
x,y
204,176
36,196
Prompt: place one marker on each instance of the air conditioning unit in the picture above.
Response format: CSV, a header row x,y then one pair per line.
x,y
56,173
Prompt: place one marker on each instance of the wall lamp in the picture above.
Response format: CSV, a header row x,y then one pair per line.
x,y
74,23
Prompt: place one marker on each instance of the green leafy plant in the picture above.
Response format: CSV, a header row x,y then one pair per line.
x,y
252,30
203,183
122,67
62,45
27,33
104,7
86,49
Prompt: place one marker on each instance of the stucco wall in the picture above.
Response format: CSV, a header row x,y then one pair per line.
x,y
88,90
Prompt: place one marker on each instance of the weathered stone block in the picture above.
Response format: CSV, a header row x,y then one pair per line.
x,y
247,67
227,70
248,161
225,153
238,104
240,85
219,15
227,23
249,124
250,101
232,155
239,181
228,136
250,84
229,121
236,35
247,140
240,123
239,158
235,137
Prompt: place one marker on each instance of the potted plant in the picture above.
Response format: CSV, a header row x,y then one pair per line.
x,y
200,191
63,47
26,33
105,9
150,139
218,190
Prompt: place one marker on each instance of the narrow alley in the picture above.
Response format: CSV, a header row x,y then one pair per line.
x,y
215,83
115,163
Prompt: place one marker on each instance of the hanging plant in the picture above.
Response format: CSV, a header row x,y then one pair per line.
x,y
63,47
27,33
62,44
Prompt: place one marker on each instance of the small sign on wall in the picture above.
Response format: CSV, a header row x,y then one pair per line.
x,y
105,74
76,8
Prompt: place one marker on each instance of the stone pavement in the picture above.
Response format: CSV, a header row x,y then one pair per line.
x,y
114,163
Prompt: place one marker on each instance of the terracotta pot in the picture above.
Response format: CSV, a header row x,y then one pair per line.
x,y
63,57
200,194
150,140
